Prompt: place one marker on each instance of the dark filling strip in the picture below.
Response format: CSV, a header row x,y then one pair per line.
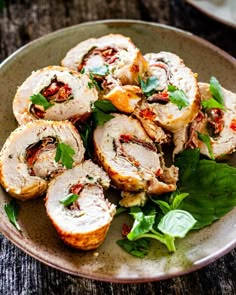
x,y
35,149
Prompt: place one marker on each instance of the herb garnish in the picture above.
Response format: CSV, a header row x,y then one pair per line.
x,y
138,248
178,97
69,199
101,111
93,83
39,99
64,153
149,86
212,103
12,210
207,140
100,71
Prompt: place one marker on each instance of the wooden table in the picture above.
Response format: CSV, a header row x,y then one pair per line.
x,y
24,21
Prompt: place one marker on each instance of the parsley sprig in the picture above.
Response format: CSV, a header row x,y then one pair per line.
x,y
101,111
39,99
149,86
64,153
178,97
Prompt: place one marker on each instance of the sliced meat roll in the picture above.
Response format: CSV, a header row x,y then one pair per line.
x,y
34,153
111,55
131,159
174,99
84,222
219,125
54,93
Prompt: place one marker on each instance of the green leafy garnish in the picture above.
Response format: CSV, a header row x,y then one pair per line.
x,y
12,210
39,99
93,83
149,86
120,210
176,223
69,199
207,140
216,91
177,96
138,248
82,71
211,187
101,111
86,133
100,71
212,103
64,153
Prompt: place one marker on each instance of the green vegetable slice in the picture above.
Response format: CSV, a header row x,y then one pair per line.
x,y
39,99
12,210
178,97
69,199
64,153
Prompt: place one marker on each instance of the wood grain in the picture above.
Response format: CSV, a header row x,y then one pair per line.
x,y
26,20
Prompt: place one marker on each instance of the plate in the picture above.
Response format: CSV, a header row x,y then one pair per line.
x,y
221,10
109,262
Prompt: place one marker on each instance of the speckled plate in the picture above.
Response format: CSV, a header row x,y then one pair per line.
x,y
223,11
109,262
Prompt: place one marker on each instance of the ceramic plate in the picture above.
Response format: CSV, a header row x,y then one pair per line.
x,y
109,262
221,10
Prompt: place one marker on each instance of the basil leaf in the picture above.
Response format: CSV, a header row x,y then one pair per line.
x,y
212,103
164,206
176,223
64,153
100,71
69,199
207,140
142,223
121,210
138,248
149,86
12,210
39,99
178,97
216,91
211,187
105,106
101,118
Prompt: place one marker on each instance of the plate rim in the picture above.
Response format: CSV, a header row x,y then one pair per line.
x,y
12,238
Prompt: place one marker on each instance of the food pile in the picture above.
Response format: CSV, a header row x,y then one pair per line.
x,y
105,117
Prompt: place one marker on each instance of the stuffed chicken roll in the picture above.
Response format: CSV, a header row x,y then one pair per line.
x,y
54,93
113,59
130,157
77,207
214,129
34,153
172,97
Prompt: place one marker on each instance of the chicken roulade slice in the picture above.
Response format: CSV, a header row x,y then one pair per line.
x,y
172,94
83,222
217,126
54,93
36,152
131,159
112,55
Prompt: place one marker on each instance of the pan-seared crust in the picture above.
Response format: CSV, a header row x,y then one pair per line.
x,y
73,103
15,174
130,158
83,224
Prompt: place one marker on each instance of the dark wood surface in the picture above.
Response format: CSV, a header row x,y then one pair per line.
x,y
24,21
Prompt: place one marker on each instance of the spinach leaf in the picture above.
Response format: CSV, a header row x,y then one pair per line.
x,y
211,187
138,248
